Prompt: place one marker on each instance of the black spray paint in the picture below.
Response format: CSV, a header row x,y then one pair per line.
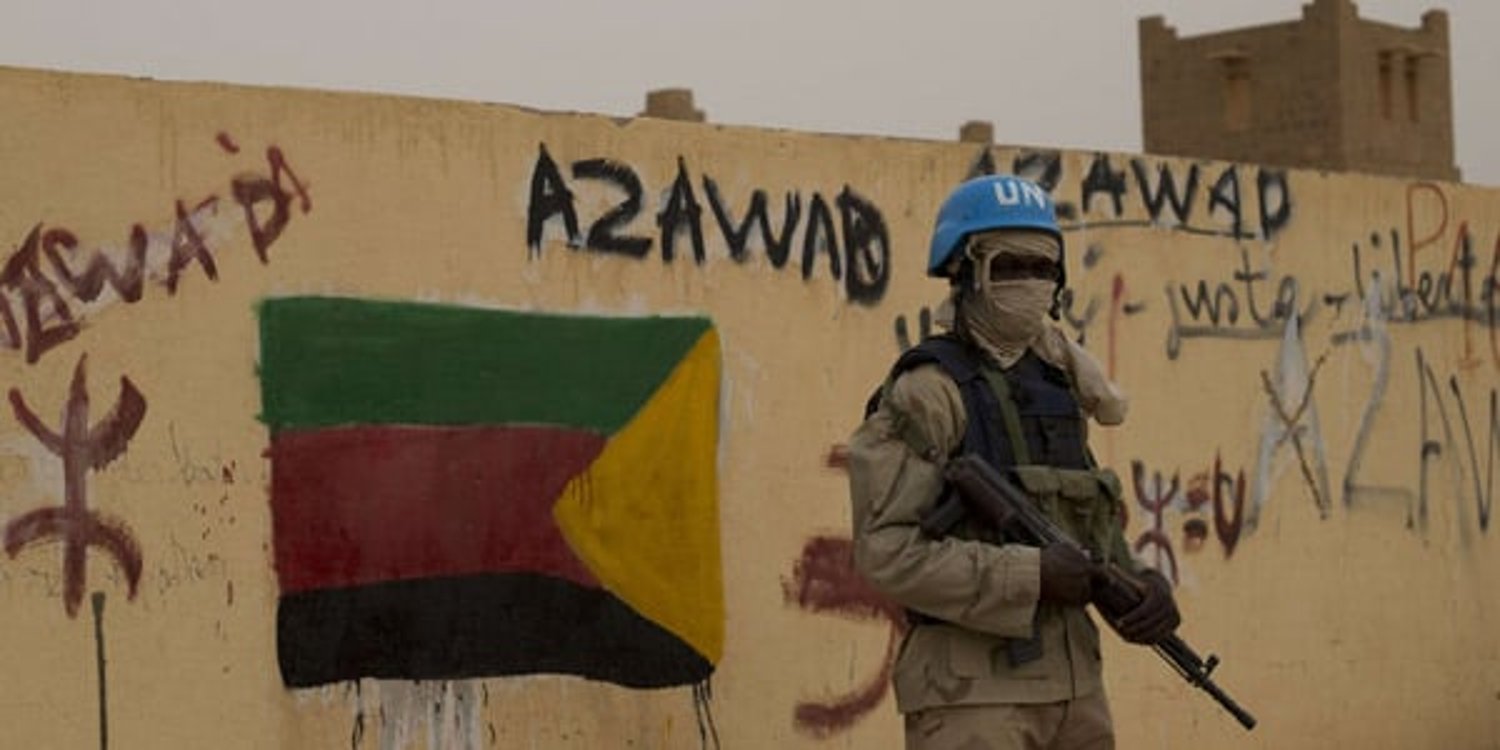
x,y
1104,192
856,241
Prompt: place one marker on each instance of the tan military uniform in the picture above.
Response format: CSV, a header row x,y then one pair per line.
x,y
983,593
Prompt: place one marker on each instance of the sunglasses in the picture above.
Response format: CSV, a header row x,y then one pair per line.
x,y
1007,267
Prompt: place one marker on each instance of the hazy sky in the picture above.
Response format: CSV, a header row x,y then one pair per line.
x,y
1061,73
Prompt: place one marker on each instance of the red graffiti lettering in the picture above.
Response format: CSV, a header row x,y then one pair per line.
x,y
51,270
126,281
253,189
188,246
1226,525
1431,238
1116,309
49,320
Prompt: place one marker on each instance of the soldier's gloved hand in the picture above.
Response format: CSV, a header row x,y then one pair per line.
x,y
1155,617
1067,575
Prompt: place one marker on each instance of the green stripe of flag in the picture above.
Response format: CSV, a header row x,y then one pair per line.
x,y
329,361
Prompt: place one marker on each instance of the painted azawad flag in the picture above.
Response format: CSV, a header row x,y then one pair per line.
x,y
458,492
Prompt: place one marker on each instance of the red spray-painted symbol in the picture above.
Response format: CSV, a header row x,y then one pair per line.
x,y
82,449
826,582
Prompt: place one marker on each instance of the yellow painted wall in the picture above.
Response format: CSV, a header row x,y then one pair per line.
x,y
1344,570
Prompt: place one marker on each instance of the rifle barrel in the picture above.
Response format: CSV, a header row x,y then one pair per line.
x,y
1182,658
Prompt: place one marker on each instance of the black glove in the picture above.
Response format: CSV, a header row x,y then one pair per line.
x,y
1155,617
1067,575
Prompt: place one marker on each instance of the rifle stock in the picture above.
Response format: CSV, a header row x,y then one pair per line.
x,y
995,500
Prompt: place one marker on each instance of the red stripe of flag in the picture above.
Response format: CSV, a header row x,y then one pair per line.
x,y
371,504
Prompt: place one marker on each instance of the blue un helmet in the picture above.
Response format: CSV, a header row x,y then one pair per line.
x,y
983,204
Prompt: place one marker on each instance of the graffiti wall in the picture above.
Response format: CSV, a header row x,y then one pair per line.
x,y
368,422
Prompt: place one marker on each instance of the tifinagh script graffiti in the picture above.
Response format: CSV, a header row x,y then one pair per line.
x,y
51,281
83,448
855,247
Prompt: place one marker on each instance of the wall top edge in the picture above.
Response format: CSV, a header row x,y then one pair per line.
x,y
58,77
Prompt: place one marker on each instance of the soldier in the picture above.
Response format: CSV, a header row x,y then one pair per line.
x,y
1000,653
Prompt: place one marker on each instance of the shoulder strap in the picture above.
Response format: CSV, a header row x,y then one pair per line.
x,y
1010,416
992,425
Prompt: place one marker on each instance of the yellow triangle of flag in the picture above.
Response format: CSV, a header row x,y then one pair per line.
x,y
644,517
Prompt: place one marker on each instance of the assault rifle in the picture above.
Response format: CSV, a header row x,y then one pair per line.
x,y
994,499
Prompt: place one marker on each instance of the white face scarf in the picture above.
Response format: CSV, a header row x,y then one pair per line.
x,y
1005,318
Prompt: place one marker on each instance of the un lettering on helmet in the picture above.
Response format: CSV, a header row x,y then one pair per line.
x,y
1017,192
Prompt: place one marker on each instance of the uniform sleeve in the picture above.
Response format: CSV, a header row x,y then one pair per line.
x,y
895,474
